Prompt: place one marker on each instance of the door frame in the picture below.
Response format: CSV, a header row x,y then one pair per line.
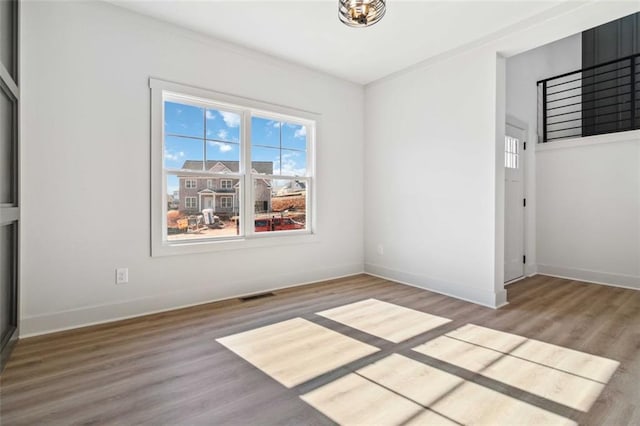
x,y
524,154
10,212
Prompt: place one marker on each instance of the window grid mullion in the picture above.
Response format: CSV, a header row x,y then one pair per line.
x,y
204,139
249,195
200,174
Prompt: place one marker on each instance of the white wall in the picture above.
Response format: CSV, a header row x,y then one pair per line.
x,y
588,212
434,174
583,196
86,176
430,177
523,71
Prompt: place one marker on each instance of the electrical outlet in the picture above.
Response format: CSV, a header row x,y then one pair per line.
x,y
380,249
122,275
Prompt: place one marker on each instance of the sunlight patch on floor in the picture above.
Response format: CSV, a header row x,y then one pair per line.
x,y
453,397
401,390
544,380
296,351
354,400
575,362
385,320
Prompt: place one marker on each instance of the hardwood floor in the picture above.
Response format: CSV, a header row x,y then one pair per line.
x,y
170,368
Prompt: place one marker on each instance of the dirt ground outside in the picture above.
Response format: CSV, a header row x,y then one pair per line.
x,y
229,230
291,202
291,206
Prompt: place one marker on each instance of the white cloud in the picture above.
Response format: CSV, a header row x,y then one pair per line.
x,y
290,167
222,134
210,115
222,147
301,132
173,156
230,118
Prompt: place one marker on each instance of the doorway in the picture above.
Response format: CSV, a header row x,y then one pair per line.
x,y
208,202
514,203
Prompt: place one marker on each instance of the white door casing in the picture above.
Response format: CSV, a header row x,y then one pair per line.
x,y
514,203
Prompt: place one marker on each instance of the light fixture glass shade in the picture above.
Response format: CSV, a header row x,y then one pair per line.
x,y
361,13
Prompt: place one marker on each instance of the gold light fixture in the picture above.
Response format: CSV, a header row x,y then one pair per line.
x,y
361,13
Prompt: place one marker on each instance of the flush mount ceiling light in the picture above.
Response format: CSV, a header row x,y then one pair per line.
x,y
361,13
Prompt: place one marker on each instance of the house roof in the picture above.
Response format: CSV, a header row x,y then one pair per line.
x,y
299,184
264,167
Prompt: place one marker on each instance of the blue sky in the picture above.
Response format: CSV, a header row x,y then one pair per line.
x,y
282,143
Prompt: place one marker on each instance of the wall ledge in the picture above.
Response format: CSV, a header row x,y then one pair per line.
x,y
629,136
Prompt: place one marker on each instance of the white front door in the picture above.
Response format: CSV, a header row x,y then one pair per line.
x,y
208,202
513,204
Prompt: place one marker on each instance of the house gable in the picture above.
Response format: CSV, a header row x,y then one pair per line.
x,y
222,166
219,167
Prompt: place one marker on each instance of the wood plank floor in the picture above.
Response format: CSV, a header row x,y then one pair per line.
x,y
169,369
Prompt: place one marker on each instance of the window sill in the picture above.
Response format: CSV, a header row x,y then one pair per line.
x,y
210,246
628,136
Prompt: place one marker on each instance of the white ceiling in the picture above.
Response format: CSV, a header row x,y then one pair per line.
x,y
309,33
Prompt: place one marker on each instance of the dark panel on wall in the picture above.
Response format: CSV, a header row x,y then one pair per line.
x,y
7,282
611,41
606,91
7,149
8,39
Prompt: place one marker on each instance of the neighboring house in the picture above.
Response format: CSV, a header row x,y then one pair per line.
x,y
172,201
220,194
294,187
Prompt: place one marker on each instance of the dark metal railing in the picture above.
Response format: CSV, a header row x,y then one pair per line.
x,y
604,98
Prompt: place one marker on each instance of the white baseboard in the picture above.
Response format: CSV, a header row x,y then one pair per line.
x,y
489,299
515,280
530,269
596,277
99,314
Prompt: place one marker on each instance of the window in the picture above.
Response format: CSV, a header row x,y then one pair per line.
x,y
258,155
261,207
226,202
191,202
511,152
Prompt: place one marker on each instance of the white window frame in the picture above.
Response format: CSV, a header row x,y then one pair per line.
x,y
226,199
190,183
191,205
226,184
211,184
248,238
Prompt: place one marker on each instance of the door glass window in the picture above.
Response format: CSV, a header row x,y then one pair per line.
x,y
511,152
